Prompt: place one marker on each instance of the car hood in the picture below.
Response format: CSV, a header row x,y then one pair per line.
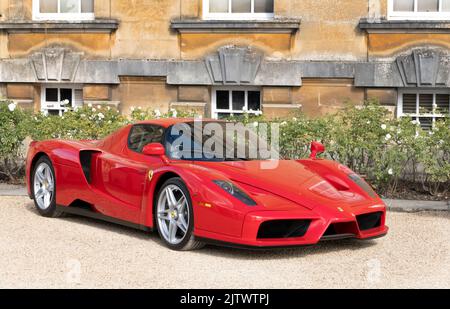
x,y
288,179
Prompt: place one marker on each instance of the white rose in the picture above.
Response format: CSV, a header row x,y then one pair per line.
x,y
384,127
12,107
157,113
133,108
89,105
101,116
388,137
391,171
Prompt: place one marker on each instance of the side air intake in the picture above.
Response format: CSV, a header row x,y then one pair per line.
x,y
86,163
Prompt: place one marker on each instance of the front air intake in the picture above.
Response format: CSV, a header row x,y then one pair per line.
x,y
283,229
369,221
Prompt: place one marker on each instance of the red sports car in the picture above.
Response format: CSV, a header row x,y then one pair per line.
x,y
136,177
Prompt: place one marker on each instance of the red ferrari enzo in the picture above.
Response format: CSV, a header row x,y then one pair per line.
x,y
139,177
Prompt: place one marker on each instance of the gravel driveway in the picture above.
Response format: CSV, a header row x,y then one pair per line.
x,y
81,253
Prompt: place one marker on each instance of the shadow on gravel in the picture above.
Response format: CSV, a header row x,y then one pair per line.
x,y
286,253
224,252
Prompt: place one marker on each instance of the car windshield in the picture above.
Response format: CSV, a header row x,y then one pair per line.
x,y
217,142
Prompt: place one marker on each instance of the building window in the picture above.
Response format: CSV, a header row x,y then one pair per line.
x,y
228,102
63,9
419,9
424,106
238,9
57,99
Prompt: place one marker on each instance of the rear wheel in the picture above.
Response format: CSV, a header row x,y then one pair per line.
x,y
175,217
43,188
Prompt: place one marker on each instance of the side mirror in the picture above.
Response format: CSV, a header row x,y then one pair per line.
x,y
316,149
154,149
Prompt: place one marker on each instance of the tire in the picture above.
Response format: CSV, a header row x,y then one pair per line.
x,y
43,188
176,214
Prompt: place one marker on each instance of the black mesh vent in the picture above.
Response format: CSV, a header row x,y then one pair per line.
x,y
283,229
369,221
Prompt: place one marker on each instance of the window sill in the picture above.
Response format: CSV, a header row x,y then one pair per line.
x,y
237,26
404,26
98,25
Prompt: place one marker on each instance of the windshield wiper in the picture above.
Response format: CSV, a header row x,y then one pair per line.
x,y
236,159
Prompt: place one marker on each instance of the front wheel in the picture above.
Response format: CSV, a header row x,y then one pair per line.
x,y
43,187
175,217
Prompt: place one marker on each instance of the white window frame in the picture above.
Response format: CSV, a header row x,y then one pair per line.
x,y
215,111
393,15
235,16
56,106
37,15
417,115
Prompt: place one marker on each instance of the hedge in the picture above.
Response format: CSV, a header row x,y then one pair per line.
x,y
386,151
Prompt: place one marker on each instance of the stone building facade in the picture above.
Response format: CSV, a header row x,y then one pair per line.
x,y
220,57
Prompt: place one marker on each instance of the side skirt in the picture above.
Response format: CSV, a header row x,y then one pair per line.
x,y
98,216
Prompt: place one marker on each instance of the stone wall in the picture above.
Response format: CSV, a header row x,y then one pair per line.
x,y
314,54
151,93
145,32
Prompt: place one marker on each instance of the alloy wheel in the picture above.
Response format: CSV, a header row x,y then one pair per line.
x,y
173,214
44,186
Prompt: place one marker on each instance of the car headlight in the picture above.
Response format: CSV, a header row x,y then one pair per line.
x,y
363,185
358,180
235,191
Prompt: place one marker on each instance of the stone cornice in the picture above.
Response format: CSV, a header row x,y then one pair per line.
x,y
98,25
237,26
424,68
404,26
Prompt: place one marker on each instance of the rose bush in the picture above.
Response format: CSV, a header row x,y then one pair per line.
x,y
15,126
88,122
388,152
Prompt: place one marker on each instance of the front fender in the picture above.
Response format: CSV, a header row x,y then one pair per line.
x,y
214,211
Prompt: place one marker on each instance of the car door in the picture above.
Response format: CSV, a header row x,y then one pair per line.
x,y
124,174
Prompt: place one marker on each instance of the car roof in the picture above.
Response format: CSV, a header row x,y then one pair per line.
x,y
167,122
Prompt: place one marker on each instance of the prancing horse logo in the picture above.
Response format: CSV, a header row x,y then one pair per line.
x,y
150,175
